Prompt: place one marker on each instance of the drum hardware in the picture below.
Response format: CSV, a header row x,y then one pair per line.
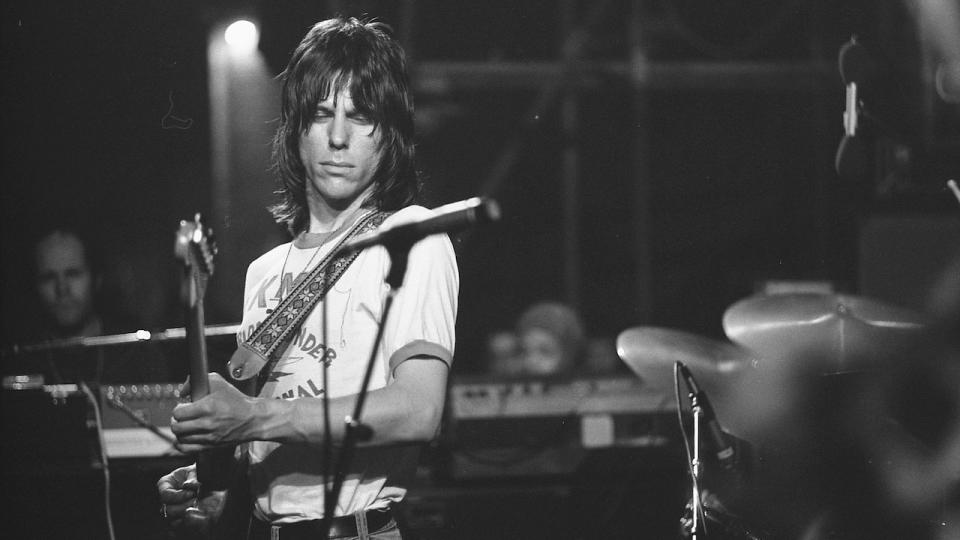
x,y
661,357
723,525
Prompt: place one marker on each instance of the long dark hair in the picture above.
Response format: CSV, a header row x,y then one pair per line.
x,y
333,54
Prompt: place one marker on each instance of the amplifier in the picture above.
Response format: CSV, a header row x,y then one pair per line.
x,y
542,427
136,419
47,429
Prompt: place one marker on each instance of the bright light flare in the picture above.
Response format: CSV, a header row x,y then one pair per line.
x,y
242,36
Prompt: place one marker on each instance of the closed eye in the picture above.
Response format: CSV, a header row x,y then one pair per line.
x,y
323,113
359,118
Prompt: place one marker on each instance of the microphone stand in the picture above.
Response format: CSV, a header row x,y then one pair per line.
x,y
696,528
698,531
356,431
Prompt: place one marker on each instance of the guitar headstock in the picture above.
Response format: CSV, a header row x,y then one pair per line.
x,y
195,247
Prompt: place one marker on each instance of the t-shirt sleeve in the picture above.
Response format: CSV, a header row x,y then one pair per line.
x,y
423,317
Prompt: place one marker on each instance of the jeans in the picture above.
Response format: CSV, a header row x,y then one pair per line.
x,y
389,532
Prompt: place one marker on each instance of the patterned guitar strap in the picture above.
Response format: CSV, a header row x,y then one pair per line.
x,y
262,349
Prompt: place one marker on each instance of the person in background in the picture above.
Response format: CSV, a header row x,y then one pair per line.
x,y
66,281
549,340
503,354
552,340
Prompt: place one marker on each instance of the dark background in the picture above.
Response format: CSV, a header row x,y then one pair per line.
x,y
691,186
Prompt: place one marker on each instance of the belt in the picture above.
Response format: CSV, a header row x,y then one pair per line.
x,y
341,526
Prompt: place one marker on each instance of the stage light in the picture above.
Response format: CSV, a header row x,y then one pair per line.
x,y
242,35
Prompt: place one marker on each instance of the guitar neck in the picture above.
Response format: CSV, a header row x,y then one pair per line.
x,y
195,247
212,465
196,342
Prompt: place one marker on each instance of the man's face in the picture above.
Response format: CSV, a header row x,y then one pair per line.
x,y
542,352
64,280
339,151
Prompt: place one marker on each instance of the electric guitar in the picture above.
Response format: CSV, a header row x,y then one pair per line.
x,y
216,468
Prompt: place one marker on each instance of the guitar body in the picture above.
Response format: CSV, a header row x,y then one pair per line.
x,y
234,519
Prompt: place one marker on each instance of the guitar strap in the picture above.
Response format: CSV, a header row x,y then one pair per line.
x,y
262,348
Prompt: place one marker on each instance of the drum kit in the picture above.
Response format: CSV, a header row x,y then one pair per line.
x,y
756,381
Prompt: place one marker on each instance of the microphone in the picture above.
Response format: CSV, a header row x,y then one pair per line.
x,y
725,449
448,218
855,68
850,60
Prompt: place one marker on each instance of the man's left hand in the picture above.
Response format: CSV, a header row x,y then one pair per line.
x,y
224,416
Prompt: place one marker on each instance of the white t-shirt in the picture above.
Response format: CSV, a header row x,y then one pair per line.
x,y
285,478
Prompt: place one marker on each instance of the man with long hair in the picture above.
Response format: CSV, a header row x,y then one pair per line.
x,y
344,155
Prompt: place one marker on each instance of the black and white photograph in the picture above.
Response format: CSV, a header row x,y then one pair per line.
x,y
528,269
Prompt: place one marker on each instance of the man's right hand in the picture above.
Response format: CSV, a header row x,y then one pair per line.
x,y
181,507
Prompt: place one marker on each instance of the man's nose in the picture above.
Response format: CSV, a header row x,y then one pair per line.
x,y
62,287
339,135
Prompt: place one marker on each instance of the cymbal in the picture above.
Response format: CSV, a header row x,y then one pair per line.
x,y
839,330
651,353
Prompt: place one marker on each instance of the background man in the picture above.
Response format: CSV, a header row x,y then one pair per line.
x,y
66,283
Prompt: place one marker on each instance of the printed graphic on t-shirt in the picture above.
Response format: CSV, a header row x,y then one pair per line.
x,y
309,388
287,284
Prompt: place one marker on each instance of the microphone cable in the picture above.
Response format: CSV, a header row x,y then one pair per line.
x,y
104,463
